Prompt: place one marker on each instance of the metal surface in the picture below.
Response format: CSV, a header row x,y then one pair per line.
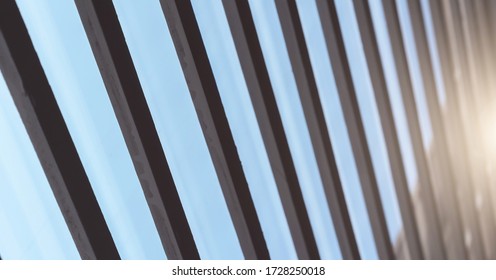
x,y
126,95
264,103
52,142
206,99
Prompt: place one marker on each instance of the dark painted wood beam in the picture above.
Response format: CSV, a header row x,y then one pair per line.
x,y
255,71
52,142
386,116
128,100
196,67
307,88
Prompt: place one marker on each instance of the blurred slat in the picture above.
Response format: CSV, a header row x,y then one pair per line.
x,y
478,162
349,104
305,81
456,85
378,79
264,103
196,67
439,152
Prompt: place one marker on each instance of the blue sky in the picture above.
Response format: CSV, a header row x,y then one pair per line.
x,y
31,225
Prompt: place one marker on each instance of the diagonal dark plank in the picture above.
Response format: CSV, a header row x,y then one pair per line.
x,y
52,142
376,71
252,62
206,99
126,95
349,104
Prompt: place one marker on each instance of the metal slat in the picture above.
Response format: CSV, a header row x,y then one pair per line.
x,y
250,55
126,95
206,99
52,142
305,81
378,79
439,151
